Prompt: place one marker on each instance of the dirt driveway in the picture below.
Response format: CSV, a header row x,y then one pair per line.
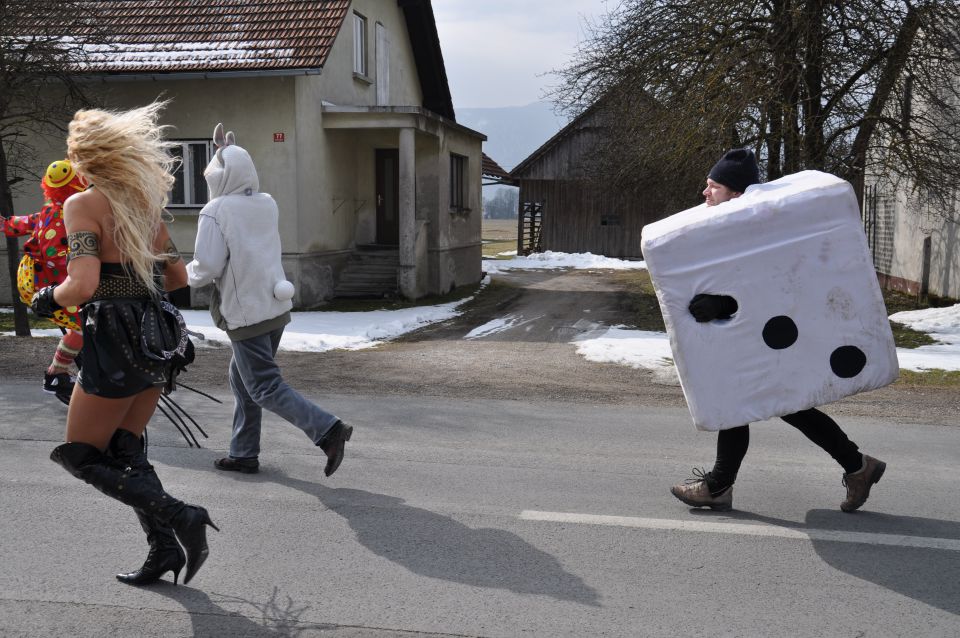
x,y
530,360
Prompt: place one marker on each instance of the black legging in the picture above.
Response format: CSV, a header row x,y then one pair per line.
x,y
732,445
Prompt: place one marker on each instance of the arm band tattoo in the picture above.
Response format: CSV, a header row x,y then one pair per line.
x,y
83,243
170,252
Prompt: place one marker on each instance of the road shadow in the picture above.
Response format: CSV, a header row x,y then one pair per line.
x,y
175,456
429,544
928,575
276,616
422,541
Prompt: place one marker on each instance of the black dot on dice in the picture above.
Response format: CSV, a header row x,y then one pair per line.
x,y
780,332
847,361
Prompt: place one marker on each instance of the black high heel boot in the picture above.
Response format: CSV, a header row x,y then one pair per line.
x,y
141,489
165,553
190,524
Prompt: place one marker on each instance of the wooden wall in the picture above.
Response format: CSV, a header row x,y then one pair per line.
x,y
579,215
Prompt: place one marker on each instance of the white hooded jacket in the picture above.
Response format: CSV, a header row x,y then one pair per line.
x,y
238,247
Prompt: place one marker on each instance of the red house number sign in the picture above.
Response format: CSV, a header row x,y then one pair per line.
x,y
278,137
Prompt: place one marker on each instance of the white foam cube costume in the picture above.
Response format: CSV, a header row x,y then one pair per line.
x,y
811,326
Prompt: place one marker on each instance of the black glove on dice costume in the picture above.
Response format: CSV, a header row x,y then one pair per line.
x,y
705,307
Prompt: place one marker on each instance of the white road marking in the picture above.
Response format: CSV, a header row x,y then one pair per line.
x,y
746,529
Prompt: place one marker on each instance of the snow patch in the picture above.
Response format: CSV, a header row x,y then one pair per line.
x,y
552,260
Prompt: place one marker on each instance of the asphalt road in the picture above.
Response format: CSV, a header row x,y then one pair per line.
x,y
488,517
499,486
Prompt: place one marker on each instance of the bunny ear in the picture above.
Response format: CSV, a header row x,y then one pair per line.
x,y
230,138
218,137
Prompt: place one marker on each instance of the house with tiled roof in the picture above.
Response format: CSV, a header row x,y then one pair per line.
x,y
345,108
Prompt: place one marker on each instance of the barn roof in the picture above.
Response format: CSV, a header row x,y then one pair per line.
x,y
560,135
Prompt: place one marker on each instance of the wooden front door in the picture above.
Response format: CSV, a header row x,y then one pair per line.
x,y
388,196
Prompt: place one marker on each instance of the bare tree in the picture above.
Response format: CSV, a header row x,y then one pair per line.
x,y
43,43
832,85
503,204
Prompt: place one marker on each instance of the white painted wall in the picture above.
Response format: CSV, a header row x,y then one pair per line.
x,y
339,85
905,220
911,222
254,108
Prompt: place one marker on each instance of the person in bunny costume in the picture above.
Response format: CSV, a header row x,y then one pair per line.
x,y
238,251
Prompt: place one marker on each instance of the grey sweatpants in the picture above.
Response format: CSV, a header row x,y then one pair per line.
x,y
257,384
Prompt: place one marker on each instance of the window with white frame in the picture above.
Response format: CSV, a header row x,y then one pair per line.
x,y
458,183
359,44
190,188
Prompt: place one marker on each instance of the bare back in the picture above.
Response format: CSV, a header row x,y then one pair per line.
x,y
90,211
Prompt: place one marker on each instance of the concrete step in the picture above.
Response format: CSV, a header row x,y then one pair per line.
x,y
376,261
376,254
365,287
372,267
353,294
389,279
365,291
371,272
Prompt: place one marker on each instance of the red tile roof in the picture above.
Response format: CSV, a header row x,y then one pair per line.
x,y
182,36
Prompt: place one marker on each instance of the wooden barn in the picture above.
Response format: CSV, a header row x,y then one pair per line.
x,y
566,208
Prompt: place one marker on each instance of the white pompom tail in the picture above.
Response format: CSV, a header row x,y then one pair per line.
x,y
283,290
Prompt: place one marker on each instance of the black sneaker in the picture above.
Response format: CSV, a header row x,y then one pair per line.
x,y
59,384
333,444
230,464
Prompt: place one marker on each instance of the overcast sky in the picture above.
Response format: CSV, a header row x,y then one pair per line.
x,y
497,52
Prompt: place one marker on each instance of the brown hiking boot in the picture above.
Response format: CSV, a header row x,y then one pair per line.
x,y
858,483
696,493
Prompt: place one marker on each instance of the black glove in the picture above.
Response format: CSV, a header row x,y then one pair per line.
x,y
709,307
42,302
178,366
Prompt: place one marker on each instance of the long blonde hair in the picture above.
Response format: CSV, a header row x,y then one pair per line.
x,y
123,154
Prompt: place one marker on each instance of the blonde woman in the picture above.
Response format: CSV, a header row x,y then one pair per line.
x,y
121,259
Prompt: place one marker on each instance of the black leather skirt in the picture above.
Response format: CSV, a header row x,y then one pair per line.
x,y
114,362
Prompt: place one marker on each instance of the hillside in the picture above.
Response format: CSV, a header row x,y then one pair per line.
x,y
513,132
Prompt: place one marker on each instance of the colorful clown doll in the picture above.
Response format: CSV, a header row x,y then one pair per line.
x,y
44,263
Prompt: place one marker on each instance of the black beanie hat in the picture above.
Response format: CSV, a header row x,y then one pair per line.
x,y
736,170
